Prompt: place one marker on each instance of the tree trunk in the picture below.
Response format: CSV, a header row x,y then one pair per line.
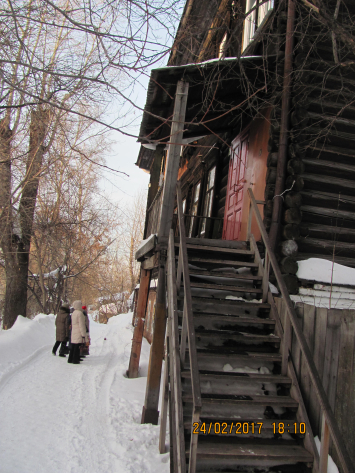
x,y
16,248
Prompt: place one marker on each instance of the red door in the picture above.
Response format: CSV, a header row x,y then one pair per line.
x,y
235,190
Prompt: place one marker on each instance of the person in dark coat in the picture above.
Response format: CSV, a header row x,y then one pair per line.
x,y
62,332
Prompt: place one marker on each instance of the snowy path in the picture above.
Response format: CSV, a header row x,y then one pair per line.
x,y
57,417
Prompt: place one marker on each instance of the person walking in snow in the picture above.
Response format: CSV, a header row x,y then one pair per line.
x,y
78,333
62,332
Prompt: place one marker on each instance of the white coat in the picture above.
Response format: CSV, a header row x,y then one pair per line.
x,y
78,327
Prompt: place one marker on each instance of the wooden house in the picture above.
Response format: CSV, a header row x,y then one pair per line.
x,y
254,117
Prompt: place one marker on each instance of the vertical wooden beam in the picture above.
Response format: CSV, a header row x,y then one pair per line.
x,y
132,371
164,404
324,447
150,412
173,161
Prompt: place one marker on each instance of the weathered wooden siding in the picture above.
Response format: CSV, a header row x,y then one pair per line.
x,y
331,337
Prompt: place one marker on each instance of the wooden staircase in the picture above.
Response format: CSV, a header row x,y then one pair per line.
x,y
233,396
239,366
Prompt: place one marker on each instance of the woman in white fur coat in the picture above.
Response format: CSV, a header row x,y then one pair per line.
x,y
78,333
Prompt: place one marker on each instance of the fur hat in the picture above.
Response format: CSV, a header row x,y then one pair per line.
x,y
65,305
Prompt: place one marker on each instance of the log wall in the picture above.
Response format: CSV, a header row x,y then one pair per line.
x,y
330,334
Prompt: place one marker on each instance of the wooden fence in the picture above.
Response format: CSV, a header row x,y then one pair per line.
x,y
330,334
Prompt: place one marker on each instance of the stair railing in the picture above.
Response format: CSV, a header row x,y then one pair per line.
x,y
188,333
330,427
174,370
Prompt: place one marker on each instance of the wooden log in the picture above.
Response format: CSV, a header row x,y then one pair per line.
x,y
291,283
322,182
300,117
296,182
295,166
288,265
272,160
269,192
291,232
271,175
295,150
293,215
267,223
272,145
289,248
268,208
293,199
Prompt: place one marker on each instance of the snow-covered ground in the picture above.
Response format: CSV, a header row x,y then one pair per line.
x,y
58,417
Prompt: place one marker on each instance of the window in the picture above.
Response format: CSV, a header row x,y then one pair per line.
x,y
194,209
255,18
207,207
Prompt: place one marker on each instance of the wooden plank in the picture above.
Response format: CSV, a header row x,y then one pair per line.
x,y
308,330
173,161
296,349
324,447
217,249
225,274
245,264
321,317
143,293
146,248
279,453
301,415
175,355
188,316
164,402
188,305
228,288
331,358
345,396
151,262
282,401
241,245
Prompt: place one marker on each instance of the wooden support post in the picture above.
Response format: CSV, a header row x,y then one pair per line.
x,y
150,412
164,404
265,282
132,371
286,345
324,447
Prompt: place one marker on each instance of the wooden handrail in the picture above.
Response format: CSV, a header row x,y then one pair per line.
x,y
188,326
329,418
174,360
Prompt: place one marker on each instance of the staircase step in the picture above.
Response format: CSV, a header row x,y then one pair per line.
x,y
224,262
237,245
266,453
240,377
238,336
229,358
225,274
214,305
232,319
217,249
226,287
243,304
245,400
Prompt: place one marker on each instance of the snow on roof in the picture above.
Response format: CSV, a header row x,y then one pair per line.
x,y
321,270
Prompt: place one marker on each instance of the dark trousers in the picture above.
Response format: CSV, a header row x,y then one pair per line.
x,y
74,354
62,348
